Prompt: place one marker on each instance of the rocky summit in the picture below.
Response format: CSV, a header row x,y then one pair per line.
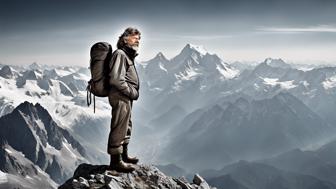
x,y
145,176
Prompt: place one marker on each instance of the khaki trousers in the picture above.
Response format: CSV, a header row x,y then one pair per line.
x,y
121,124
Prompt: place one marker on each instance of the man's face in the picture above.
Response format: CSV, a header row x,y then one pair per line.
x,y
133,41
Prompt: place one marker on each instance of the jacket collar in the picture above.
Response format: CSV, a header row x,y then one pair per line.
x,y
131,53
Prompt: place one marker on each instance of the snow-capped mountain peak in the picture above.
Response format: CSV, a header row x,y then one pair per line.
x,y
196,52
276,63
199,48
34,66
160,54
160,57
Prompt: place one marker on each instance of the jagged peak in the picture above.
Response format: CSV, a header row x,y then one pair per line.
x,y
32,74
198,48
276,62
28,107
160,56
24,105
190,50
34,66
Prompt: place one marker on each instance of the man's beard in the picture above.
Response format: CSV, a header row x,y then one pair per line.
x,y
134,47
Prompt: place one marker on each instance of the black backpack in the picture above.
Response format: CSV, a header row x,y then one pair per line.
x,y
100,56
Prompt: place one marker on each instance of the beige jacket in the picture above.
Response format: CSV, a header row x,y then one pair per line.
x,y
123,77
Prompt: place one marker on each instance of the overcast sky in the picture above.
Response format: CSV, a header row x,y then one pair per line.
x,y
62,31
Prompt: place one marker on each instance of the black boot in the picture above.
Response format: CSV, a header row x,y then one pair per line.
x,y
125,156
118,165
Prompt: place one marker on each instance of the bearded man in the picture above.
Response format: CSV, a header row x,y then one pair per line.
x,y
124,83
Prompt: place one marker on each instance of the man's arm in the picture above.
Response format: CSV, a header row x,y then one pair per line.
x,y
117,76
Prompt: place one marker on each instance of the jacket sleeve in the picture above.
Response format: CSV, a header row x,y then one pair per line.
x,y
117,76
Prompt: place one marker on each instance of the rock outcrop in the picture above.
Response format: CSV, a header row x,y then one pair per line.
x,y
145,176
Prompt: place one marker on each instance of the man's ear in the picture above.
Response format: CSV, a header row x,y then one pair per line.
x,y
125,40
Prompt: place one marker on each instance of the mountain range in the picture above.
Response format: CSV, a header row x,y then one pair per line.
x,y
292,169
195,112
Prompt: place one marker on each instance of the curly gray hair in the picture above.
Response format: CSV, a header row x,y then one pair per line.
x,y
128,32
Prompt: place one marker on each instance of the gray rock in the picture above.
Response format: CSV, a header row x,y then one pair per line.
x,y
92,181
204,185
198,179
84,182
81,183
107,179
183,184
100,178
144,176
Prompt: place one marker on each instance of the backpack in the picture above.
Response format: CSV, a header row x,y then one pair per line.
x,y
100,55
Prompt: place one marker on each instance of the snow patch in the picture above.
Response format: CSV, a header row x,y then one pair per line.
x,y
80,76
311,93
162,67
3,177
69,151
32,87
41,125
268,61
283,84
176,86
256,86
227,72
51,150
270,81
199,49
189,74
8,151
305,69
305,83
203,87
156,89
329,83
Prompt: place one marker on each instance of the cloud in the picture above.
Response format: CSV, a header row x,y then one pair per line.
x,y
321,28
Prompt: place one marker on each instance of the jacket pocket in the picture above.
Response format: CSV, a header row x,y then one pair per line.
x,y
117,95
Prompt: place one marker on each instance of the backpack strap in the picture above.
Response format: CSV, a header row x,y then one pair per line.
x,y
94,103
88,93
89,96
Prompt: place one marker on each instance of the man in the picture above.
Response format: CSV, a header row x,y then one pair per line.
x,y
124,82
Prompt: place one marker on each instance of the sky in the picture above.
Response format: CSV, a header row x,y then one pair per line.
x,y
61,32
